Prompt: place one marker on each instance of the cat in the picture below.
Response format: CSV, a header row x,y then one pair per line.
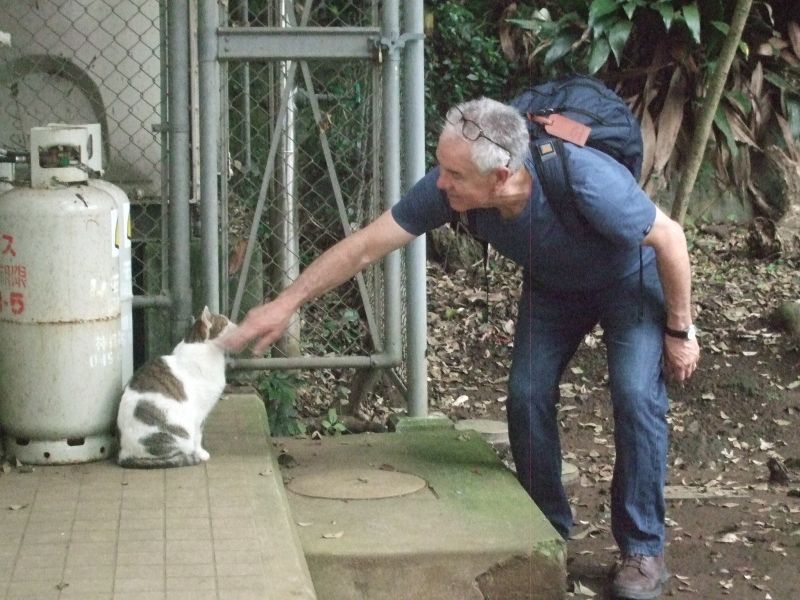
x,y
165,404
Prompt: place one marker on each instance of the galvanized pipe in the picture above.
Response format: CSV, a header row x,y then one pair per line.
x,y
247,162
179,174
209,142
391,170
141,301
289,260
414,155
315,362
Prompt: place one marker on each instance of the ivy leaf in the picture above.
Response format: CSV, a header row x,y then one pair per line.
x,y
560,46
692,17
721,121
667,13
631,6
618,37
599,55
721,26
601,8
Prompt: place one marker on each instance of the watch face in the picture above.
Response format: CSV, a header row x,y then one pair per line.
x,y
691,333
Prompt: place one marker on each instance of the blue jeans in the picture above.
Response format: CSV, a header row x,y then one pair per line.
x,y
549,328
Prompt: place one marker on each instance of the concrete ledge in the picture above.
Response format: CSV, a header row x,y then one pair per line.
x,y
472,534
217,531
250,486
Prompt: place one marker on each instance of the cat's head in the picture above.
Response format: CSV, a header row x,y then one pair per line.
x,y
207,327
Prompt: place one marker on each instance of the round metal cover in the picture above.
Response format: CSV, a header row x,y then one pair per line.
x,y
492,431
356,484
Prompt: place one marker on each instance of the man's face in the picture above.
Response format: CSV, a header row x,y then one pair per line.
x,y
459,178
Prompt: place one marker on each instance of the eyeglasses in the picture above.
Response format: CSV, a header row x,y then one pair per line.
x,y
471,130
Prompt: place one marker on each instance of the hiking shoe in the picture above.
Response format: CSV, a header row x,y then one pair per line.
x,y
640,577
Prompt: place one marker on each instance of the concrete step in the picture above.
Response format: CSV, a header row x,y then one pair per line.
x,y
251,487
468,531
216,531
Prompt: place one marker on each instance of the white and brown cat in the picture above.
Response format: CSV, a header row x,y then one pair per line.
x,y
166,402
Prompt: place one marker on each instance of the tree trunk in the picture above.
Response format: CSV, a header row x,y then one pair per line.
x,y
709,108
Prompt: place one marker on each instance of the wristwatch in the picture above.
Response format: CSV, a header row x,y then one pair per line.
x,y
690,333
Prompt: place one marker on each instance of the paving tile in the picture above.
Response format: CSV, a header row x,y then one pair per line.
x,y
40,572
89,585
106,535
139,572
141,534
193,595
139,595
94,571
236,569
245,595
37,589
206,584
145,584
245,582
191,570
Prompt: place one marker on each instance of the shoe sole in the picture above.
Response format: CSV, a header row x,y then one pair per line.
x,y
622,594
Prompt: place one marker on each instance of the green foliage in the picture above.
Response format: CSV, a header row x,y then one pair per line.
x,y
584,35
278,388
332,425
463,60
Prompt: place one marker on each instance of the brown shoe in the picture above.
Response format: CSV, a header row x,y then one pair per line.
x,y
640,578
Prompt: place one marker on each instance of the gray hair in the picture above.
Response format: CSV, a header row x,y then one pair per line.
x,y
503,124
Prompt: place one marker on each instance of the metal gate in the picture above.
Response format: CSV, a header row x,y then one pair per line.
x,y
250,135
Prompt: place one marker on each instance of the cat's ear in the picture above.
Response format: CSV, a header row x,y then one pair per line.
x,y
205,316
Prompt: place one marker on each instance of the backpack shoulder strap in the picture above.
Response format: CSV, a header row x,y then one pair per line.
x,y
551,166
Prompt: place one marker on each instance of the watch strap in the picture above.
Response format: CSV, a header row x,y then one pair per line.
x,y
678,333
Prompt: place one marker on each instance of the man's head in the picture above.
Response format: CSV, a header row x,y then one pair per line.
x,y
497,132
483,142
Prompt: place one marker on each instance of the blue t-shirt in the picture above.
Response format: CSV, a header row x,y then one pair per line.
x,y
617,212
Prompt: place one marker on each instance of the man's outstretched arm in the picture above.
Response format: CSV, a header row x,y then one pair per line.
x,y
266,323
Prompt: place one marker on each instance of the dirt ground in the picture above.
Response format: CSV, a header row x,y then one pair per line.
x,y
733,524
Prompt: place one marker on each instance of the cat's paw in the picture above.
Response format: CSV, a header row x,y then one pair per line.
x,y
203,454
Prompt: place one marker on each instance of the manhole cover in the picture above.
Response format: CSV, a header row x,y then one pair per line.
x,y
356,484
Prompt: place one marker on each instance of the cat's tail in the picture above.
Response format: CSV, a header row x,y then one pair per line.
x,y
178,459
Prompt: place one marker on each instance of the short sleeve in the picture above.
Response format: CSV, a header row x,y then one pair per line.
x,y
609,198
423,207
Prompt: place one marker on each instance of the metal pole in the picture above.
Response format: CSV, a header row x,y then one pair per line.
x,y
391,161
289,344
209,139
247,162
414,156
179,175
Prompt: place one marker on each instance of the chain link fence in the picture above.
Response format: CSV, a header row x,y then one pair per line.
x,y
322,183
90,61
95,62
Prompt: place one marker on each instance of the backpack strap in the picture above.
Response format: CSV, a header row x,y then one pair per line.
x,y
551,167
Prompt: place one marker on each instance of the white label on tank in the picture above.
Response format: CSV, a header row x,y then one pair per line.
x,y
106,347
126,225
116,232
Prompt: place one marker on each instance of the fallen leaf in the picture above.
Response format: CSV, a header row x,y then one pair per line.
x,y
333,536
582,590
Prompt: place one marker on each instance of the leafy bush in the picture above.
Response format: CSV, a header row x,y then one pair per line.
x,y
278,388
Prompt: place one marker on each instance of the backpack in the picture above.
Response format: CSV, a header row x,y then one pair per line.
x,y
604,122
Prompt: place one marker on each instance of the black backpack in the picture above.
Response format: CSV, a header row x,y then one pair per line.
x,y
613,129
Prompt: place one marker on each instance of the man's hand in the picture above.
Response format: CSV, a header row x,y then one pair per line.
x,y
680,358
266,323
